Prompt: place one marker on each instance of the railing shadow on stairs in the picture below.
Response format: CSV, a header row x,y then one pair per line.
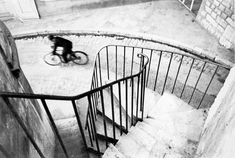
x,y
116,99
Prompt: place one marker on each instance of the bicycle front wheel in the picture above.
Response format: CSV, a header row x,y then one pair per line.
x,y
79,57
52,59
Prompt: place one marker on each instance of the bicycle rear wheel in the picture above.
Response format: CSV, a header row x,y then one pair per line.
x,y
52,59
79,57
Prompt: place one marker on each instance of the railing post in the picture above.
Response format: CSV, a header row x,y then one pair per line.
x,y
103,115
113,116
54,126
107,59
120,106
93,122
79,122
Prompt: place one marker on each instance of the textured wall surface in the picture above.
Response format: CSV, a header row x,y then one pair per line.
x,y
217,16
218,136
55,7
13,142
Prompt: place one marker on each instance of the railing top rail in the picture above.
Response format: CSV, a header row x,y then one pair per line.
x,y
185,53
57,97
139,36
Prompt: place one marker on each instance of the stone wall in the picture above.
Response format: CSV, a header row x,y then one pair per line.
x,y
13,141
217,16
55,7
218,136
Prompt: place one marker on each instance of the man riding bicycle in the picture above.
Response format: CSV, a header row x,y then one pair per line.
x,y
61,42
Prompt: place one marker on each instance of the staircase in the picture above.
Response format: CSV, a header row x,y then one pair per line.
x,y
170,130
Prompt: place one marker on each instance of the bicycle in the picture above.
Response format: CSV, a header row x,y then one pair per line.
x,y
77,57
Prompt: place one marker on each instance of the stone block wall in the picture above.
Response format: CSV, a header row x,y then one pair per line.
x,y
217,16
13,141
218,136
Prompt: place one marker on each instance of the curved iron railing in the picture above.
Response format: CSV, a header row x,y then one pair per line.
x,y
90,103
118,89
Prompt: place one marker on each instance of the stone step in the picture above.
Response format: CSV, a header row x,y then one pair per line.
x,y
130,148
171,132
187,123
112,152
168,103
165,142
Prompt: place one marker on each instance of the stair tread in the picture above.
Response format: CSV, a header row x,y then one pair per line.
x,y
142,137
150,103
131,148
112,152
168,142
185,123
169,103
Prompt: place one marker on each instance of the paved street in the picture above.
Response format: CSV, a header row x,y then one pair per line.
x,y
167,19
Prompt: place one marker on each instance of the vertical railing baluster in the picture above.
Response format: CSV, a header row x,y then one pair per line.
x,y
107,58
54,126
120,106
126,85
187,77
92,127
208,86
144,73
113,116
17,117
132,99
79,123
103,115
93,122
116,62
132,60
177,74
158,66
124,60
191,5
168,68
100,70
93,103
197,82
141,59
137,98
97,83
90,132
150,60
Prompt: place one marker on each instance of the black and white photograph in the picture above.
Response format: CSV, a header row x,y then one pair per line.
x,y
117,79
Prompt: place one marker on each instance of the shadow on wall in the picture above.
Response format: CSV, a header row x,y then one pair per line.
x,y
109,3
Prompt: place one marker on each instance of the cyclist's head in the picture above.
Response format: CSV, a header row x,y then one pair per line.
x,y
50,37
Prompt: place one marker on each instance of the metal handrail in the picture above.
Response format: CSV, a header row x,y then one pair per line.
x,y
43,98
96,96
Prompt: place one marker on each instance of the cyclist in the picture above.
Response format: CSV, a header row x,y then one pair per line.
x,y
61,42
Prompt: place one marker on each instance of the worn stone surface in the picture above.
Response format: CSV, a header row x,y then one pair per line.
x,y
217,139
174,133
163,19
218,14
13,141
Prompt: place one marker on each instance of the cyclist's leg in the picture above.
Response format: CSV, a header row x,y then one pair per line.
x,y
65,54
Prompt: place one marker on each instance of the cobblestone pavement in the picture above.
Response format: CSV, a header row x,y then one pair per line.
x,y
167,19
74,79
